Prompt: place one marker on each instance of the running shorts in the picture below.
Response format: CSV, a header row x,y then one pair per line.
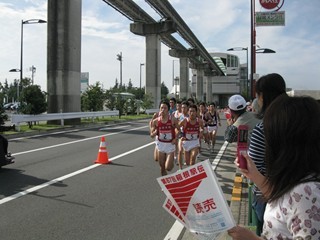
x,y
212,128
165,147
191,144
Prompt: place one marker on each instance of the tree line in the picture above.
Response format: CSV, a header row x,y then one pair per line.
x,y
34,101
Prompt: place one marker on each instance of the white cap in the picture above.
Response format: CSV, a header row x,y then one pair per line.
x,y
237,102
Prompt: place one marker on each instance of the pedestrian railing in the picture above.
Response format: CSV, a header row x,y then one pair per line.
x,y
252,218
20,118
151,111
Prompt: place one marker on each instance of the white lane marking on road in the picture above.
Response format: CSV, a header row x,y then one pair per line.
x,y
219,155
70,131
59,179
72,142
176,229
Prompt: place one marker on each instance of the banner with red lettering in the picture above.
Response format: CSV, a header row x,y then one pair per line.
x,y
195,199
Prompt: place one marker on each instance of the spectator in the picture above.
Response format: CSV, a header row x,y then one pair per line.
x,y
292,181
268,88
239,116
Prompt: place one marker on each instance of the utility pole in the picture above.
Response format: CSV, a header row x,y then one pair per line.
x,y
119,57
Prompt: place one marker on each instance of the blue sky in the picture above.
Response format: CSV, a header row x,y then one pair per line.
x,y
218,24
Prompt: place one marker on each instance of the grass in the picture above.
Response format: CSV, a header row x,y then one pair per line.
x,y
43,126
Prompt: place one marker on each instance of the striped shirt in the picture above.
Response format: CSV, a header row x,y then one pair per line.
x,y
257,152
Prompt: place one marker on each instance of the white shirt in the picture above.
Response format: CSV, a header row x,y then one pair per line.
x,y
296,215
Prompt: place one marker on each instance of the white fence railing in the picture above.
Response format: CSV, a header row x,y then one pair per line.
x,y
150,111
20,118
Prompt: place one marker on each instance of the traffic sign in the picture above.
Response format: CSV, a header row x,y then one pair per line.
x,y
270,18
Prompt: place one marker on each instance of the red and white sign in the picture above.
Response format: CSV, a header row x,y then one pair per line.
x,y
271,4
195,199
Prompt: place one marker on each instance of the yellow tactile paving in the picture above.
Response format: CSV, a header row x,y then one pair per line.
x,y
237,187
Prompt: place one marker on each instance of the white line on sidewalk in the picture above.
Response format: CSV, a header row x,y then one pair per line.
x,y
59,179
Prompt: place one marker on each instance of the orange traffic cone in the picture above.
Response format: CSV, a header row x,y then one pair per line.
x,y
102,154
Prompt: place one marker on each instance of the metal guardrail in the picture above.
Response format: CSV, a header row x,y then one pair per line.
x,y
20,118
151,111
252,218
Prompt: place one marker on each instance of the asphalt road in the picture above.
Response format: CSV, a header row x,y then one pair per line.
x,y
55,191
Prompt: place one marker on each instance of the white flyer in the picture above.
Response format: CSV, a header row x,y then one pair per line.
x,y
195,198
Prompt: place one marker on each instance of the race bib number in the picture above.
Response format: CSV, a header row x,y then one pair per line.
x,y
192,136
166,136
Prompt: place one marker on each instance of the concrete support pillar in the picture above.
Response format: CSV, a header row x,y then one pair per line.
x,y
152,32
64,57
199,92
184,56
209,80
153,68
184,78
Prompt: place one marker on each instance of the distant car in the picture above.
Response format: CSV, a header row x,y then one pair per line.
x,y
15,106
7,106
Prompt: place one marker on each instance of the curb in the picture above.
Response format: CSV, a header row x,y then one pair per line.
x,y
236,197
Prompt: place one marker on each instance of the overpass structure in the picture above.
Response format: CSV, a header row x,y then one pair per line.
x,y
155,32
64,51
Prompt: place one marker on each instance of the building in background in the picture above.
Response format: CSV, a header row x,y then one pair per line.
x,y
84,81
224,86
311,93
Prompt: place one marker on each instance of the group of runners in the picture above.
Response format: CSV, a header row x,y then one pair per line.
x,y
179,128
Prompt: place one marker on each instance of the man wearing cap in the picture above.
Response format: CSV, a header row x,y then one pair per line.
x,y
239,116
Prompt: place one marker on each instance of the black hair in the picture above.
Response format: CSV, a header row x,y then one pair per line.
x,y
173,99
193,106
292,130
191,100
270,86
213,104
202,104
185,103
165,102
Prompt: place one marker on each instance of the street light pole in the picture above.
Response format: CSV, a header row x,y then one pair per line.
x,y
247,72
30,21
21,58
173,80
119,57
258,50
253,48
141,64
33,70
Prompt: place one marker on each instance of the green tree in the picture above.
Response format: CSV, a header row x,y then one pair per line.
x,y
147,101
116,85
130,86
110,102
3,116
93,98
164,91
33,101
120,104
